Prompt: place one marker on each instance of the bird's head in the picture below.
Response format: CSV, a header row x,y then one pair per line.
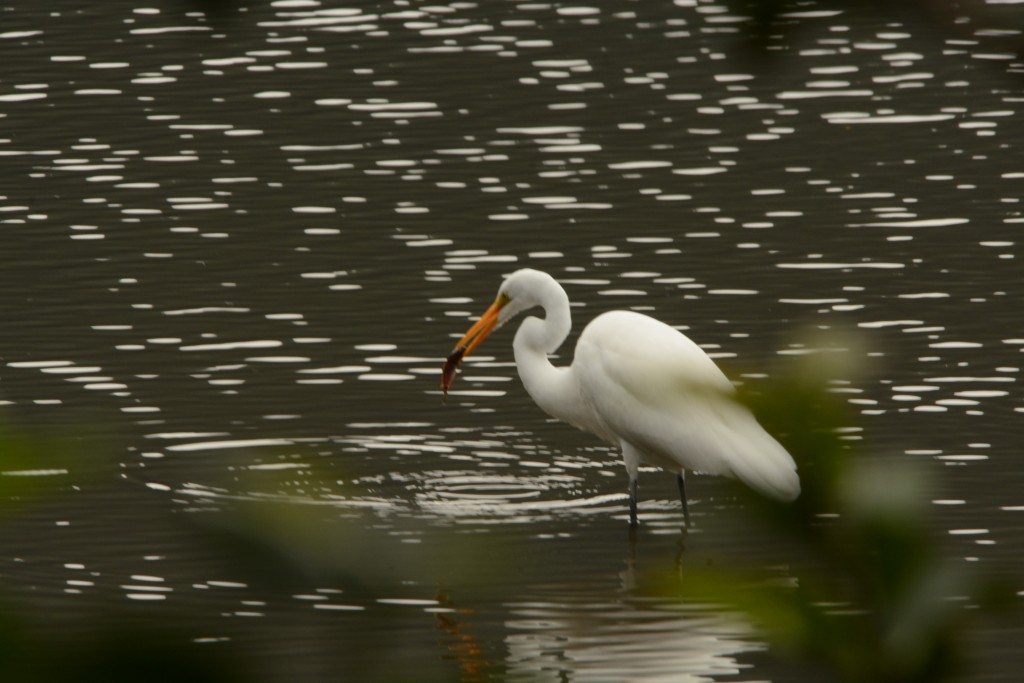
x,y
520,290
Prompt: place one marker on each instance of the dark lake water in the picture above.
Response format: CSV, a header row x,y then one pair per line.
x,y
237,247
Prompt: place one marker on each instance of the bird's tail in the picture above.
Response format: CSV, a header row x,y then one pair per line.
x,y
753,456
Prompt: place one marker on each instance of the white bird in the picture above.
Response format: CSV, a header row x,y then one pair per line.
x,y
638,384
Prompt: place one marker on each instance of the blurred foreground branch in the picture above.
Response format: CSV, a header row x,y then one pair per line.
x,y
867,595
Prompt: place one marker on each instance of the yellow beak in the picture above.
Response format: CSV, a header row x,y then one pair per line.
x,y
481,328
472,339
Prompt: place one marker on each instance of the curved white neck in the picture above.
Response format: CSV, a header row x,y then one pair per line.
x,y
552,388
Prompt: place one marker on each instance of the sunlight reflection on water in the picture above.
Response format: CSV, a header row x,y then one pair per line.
x,y
549,640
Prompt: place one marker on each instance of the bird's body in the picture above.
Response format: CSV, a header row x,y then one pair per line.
x,y
638,384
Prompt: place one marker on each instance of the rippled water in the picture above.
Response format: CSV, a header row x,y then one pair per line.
x,y
239,245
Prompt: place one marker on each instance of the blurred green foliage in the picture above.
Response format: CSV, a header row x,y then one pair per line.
x,y
123,655
278,542
857,591
865,594
31,466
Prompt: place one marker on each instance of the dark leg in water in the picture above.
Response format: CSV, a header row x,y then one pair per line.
x,y
681,480
632,503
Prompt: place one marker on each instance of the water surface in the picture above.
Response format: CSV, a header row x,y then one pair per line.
x,y
237,248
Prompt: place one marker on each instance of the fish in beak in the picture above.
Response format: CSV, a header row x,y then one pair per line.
x,y
472,339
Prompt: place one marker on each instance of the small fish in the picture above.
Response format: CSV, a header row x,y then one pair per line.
x,y
450,366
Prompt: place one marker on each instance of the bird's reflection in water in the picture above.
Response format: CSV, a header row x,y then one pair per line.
x,y
461,642
629,576
627,631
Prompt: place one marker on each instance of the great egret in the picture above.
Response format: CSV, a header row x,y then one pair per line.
x,y
636,383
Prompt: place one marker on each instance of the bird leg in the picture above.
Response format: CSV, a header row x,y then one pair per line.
x,y
632,503
681,481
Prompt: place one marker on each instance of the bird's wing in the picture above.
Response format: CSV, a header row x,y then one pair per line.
x,y
651,386
646,360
